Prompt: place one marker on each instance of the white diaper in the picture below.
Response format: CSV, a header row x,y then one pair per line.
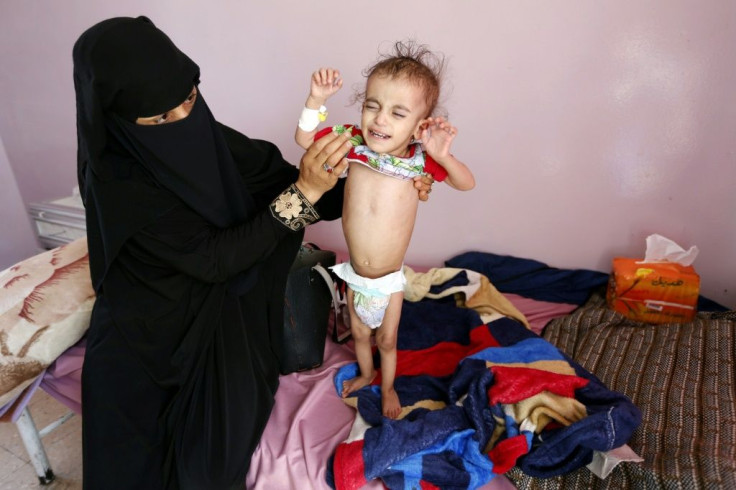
x,y
370,296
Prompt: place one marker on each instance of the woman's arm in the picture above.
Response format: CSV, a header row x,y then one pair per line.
x,y
184,241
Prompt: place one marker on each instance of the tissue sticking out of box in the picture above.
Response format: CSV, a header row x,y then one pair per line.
x,y
661,249
662,288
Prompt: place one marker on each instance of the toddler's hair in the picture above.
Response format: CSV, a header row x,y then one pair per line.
x,y
414,62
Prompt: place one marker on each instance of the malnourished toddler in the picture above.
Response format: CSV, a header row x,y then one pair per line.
x,y
398,141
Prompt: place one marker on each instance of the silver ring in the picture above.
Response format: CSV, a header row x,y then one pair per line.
x,y
327,168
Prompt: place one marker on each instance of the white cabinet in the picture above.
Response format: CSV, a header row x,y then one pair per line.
x,y
59,222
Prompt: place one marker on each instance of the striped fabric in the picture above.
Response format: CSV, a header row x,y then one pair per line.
x,y
681,376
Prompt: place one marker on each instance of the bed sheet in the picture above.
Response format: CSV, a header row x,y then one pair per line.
x,y
308,420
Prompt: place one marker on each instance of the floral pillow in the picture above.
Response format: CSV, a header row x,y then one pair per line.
x,y
45,305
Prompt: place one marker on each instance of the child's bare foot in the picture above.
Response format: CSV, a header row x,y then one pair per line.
x,y
390,404
356,383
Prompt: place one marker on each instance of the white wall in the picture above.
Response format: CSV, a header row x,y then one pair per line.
x,y
589,125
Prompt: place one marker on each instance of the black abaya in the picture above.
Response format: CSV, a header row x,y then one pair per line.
x,y
189,254
185,382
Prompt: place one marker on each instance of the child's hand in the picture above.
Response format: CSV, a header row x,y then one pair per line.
x,y
325,83
437,135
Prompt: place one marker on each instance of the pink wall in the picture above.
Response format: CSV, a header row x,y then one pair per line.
x,y
18,239
589,126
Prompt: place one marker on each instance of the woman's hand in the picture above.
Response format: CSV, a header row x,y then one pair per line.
x,y
423,184
322,164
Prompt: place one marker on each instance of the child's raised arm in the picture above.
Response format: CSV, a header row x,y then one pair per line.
x,y
325,82
437,135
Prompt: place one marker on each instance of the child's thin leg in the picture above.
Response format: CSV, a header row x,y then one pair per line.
x,y
386,337
363,352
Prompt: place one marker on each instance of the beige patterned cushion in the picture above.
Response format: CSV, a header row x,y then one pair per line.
x,y
45,306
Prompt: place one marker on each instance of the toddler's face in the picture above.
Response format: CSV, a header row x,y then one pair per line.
x,y
393,110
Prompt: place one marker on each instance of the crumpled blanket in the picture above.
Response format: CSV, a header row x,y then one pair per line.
x,y
477,398
469,288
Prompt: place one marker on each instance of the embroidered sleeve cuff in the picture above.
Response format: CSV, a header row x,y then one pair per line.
x,y
293,210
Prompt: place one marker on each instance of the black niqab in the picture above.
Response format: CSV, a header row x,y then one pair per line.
x,y
191,159
126,68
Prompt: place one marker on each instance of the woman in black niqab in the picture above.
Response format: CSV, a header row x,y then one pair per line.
x,y
192,228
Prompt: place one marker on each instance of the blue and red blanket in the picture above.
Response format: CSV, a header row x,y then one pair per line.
x,y
478,398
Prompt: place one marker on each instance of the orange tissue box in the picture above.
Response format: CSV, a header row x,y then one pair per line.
x,y
656,292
